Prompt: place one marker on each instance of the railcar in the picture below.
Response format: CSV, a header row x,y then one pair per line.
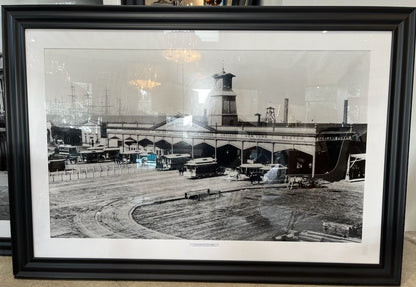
x,y
56,165
202,167
172,161
111,153
92,156
69,152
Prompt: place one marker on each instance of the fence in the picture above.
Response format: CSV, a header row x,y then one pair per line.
x,y
96,171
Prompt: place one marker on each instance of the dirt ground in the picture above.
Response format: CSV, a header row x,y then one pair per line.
x,y
252,214
151,204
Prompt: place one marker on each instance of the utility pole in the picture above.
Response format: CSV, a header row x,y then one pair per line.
x,y
73,108
105,106
89,104
72,95
106,102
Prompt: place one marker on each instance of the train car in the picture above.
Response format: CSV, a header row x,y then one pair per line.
x,y
111,153
147,158
250,168
128,157
92,156
56,165
202,167
172,161
69,152
268,173
151,158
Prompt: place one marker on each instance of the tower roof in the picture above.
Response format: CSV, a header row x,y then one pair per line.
x,y
224,80
223,75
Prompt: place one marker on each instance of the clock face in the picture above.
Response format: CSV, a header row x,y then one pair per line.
x,y
218,84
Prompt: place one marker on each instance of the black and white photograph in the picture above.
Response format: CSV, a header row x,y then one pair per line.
x,y
206,144
206,139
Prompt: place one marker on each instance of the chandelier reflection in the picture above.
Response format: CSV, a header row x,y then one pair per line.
x,y
144,84
181,55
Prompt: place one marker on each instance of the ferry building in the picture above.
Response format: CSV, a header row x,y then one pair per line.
x,y
325,149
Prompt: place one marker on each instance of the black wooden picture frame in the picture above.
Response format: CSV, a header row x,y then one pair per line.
x,y
399,21
5,246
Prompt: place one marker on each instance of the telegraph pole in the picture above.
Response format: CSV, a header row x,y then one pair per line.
x,y
106,102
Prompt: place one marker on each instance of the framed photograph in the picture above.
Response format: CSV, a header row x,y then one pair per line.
x,y
209,144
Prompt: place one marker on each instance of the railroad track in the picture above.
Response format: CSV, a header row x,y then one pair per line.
x,y
102,209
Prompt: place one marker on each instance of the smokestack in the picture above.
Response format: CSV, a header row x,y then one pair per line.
x,y
205,119
258,119
345,119
286,112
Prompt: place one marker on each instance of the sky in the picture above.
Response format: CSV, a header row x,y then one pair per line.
x,y
315,82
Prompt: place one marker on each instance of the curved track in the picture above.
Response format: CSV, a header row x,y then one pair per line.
x,y
101,208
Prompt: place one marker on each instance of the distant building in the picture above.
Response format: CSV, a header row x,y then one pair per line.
x,y
90,133
63,135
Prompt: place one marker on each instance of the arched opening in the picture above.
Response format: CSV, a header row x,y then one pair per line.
x,y
257,155
163,147
296,161
145,142
204,150
129,142
182,147
229,156
281,157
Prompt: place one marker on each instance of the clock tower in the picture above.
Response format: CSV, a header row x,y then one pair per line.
x,y
222,104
